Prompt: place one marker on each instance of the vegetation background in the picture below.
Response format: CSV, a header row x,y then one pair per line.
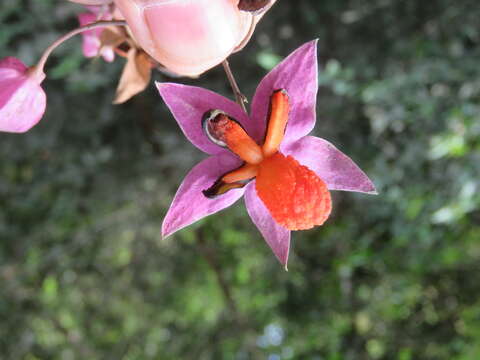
x,y
85,275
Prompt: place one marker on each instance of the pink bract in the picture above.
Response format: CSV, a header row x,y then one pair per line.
x,y
188,36
92,45
22,100
297,74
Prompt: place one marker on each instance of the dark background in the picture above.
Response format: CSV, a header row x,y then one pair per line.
x,y
85,275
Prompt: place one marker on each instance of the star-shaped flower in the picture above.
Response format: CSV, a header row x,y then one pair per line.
x,y
267,157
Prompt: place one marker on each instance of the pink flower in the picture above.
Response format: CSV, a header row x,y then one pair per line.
x,y
189,37
92,44
290,174
22,100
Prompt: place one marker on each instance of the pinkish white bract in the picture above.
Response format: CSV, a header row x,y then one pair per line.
x,y
92,44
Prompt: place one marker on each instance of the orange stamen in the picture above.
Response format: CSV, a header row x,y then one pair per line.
x,y
247,171
279,108
227,130
295,196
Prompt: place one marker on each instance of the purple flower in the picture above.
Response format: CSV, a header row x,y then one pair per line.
x,y
22,100
289,175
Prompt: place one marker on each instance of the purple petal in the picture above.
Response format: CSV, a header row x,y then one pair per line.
x,y
298,75
330,164
189,204
188,104
276,236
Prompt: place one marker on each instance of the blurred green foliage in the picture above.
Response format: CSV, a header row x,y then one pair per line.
x,y
85,275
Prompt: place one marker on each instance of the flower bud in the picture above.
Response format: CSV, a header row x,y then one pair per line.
x,y
188,36
22,100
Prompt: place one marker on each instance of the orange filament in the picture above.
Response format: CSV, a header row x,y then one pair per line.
x,y
244,172
279,108
295,196
237,140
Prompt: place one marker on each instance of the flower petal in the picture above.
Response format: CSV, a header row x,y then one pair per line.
x,y
22,99
276,236
189,204
13,63
188,104
330,164
297,74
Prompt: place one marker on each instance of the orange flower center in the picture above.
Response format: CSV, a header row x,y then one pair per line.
x,y
295,196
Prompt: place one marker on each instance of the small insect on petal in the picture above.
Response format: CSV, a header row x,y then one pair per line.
x,y
295,196
227,132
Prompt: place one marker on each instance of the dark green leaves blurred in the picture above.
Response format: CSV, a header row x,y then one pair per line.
x,y
85,275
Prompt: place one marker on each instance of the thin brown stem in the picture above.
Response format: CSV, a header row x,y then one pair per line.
x,y
38,69
239,97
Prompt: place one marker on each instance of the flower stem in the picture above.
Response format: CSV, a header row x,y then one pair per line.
x,y
38,69
239,97
92,2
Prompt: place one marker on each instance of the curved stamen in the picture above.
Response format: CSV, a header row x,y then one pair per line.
x,y
227,132
277,122
245,172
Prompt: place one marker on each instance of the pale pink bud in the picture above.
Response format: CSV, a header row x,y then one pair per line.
x,y
92,44
22,100
188,36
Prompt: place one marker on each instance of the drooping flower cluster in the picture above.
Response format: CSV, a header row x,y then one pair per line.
x,y
177,37
267,157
